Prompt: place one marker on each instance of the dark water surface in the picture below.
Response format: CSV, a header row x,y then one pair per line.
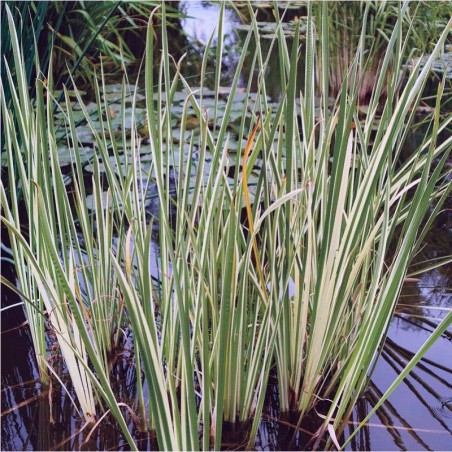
x,y
417,416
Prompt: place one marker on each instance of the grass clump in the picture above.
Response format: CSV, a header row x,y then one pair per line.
x,y
301,277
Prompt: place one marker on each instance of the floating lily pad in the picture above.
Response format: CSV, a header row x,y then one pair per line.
x,y
123,123
117,88
113,97
66,155
282,4
147,195
129,118
210,102
176,135
91,107
178,96
101,168
267,30
71,93
113,93
234,146
237,107
179,109
206,92
106,199
84,134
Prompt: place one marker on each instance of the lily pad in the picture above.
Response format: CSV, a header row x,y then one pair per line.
x,y
66,155
176,135
210,102
106,199
84,134
234,146
267,30
113,97
178,96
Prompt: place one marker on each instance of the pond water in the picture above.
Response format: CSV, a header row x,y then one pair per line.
x,y
417,416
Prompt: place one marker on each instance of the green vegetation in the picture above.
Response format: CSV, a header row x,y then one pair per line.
x,y
365,29
303,279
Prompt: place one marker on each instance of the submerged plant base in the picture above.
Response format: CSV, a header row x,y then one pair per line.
x,y
277,430
235,435
51,422
284,431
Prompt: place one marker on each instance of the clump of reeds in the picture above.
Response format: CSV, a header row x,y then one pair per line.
x,y
307,283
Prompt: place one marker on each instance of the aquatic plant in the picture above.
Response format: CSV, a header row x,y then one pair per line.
x,y
294,273
365,28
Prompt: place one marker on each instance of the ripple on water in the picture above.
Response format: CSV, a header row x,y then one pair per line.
x,y
443,408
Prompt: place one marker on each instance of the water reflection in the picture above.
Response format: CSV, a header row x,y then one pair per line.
x,y
202,22
417,416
